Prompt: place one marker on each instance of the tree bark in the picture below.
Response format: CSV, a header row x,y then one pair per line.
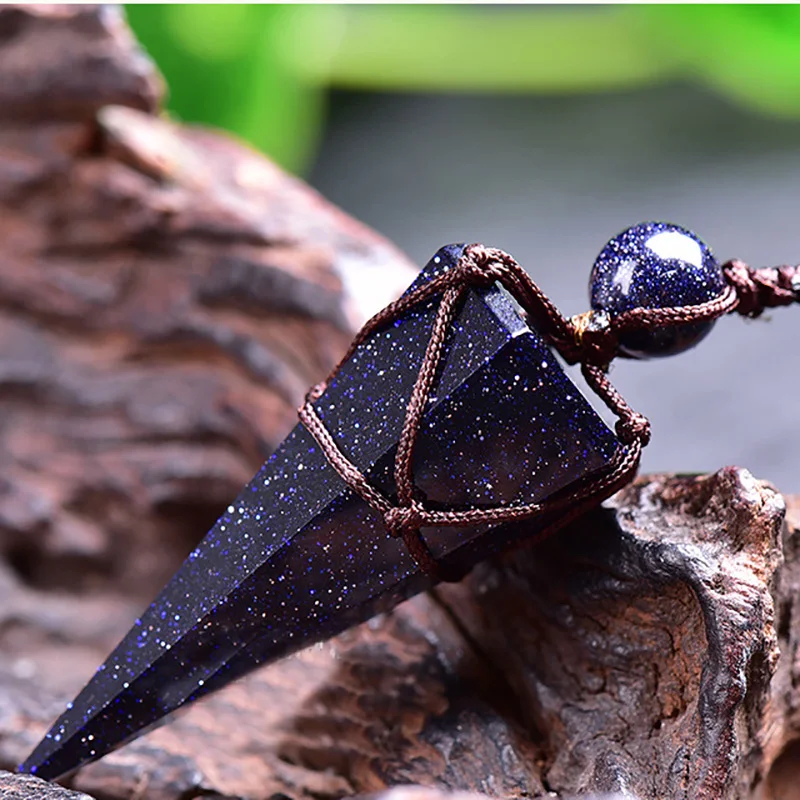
x,y
167,296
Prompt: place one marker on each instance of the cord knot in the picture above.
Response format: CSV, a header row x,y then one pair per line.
x,y
760,289
594,339
400,520
634,427
481,265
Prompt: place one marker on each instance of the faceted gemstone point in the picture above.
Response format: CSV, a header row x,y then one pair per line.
x,y
297,557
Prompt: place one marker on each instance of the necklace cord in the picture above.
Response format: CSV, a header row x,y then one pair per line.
x,y
748,292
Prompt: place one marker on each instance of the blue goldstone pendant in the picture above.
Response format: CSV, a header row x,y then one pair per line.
x,y
656,265
299,557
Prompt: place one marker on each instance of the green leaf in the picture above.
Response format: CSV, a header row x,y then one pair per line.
x,y
455,48
262,71
225,67
751,53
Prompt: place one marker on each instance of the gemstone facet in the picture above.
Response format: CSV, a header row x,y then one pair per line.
x,y
298,557
656,265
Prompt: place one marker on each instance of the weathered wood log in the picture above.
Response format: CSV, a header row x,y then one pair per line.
x,y
26,787
166,297
634,653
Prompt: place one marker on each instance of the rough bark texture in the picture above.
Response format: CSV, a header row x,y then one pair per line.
x,y
24,787
166,297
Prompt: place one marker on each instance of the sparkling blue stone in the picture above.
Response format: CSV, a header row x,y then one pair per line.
x,y
297,557
656,265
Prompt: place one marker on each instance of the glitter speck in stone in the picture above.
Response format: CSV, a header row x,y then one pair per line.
x,y
297,557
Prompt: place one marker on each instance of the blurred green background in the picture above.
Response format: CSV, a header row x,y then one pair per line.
x,y
263,71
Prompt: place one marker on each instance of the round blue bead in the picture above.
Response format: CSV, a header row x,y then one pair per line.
x,y
656,265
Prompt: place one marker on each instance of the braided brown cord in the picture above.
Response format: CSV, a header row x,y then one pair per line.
x,y
759,289
577,341
403,474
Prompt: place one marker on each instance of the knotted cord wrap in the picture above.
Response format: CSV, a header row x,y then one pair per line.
x,y
591,340
760,289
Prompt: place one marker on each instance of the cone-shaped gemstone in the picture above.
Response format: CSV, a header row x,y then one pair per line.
x,y
298,557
